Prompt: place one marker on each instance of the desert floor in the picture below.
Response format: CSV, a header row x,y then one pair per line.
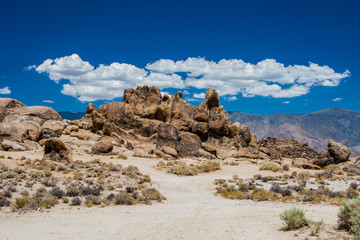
x,y
191,211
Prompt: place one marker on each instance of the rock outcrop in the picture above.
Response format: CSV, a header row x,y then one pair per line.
x,y
144,115
337,153
20,123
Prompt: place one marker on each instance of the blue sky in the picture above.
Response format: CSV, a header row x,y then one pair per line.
x,y
263,56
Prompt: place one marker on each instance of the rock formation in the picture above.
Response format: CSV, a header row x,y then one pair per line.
x,y
56,150
144,115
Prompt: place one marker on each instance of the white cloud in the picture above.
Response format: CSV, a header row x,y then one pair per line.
x,y
337,99
267,78
232,98
199,95
286,102
192,100
186,92
5,90
48,101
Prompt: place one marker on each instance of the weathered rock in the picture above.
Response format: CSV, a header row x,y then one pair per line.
x,y
31,145
338,151
188,144
212,99
7,105
44,113
7,145
169,151
163,155
167,136
52,128
90,108
285,148
102,146
56,150
12,131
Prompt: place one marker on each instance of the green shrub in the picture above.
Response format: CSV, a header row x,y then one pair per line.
x,y
349,216
293,218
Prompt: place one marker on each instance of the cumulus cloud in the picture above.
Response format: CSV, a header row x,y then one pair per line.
x,y
199,95
5,90
267,78
286,102
337,99
48,101
231,98
186,92
192,100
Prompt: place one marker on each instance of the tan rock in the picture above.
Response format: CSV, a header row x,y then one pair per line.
x,y
56,150
102,146
169,151
188,144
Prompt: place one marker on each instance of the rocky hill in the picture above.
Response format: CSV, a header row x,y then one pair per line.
x,y
342,125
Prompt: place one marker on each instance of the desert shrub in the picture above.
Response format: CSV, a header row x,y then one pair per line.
x,y
351,192
182,169
284,192
270,166
151,194
131,171
293,218
122,156
304,176
260,194
349,216
21,202
2,156
90,191
48,201
57,192
209,166
110,197
75,201
4,202
72,191
124,199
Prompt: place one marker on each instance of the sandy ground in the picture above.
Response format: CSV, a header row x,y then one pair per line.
x,y
190,212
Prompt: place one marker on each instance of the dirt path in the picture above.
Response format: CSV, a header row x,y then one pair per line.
x,y
191,212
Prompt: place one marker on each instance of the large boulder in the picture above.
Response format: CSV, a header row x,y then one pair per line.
x,y
188,144
167,136
56,150
12,131
338,151
40,112
7,105
103,146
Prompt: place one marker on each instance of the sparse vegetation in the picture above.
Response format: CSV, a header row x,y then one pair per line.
x,y
270,166
349,216
294,218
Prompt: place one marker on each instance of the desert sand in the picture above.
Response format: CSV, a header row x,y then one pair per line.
x,y
191,211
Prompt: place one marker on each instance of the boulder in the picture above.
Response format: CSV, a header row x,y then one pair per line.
x,y
12,131
31,145
7,145
52,128
90,108
338,151
169,151
7,105
167,136
188,144
44,113
56,150
103,146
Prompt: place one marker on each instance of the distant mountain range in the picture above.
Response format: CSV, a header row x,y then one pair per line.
x,y
315,128
71,115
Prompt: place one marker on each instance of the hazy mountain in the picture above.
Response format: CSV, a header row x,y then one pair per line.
x,y
342,125
71,115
